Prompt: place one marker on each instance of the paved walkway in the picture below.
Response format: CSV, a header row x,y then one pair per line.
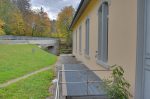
x,y
23,77
86,91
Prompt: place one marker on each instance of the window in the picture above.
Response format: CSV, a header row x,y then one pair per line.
x,y
80,38
103,33
87,23
76,41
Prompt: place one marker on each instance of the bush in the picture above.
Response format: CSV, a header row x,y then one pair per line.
x,y
117,87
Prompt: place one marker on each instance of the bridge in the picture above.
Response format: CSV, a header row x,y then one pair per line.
x,y
51,44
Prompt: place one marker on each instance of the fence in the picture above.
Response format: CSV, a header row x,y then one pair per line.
x,y
87,84
11,37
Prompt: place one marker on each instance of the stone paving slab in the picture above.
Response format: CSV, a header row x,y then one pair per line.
x,y
78,91
83,88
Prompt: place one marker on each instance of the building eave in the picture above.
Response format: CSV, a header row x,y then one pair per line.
x,y
83,4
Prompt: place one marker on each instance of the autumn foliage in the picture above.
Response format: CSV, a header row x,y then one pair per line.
x,y
19,19
1,27
63,23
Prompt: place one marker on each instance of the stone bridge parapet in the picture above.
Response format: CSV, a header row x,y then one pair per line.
x,y
51,44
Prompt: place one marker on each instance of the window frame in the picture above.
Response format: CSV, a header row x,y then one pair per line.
x,y
102,53
80,39
76,40
87,37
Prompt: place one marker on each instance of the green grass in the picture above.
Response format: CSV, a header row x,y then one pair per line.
x,y
18,60
34,87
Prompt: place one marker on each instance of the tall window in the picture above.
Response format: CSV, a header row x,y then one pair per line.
x,y
103,33
80,38
87,36
76,41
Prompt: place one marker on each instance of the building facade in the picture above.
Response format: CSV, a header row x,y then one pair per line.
x,y
109,32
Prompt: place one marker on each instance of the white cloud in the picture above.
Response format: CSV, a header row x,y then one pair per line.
x,y
53,7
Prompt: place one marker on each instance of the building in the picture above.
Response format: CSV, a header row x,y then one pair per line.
x,y
108,32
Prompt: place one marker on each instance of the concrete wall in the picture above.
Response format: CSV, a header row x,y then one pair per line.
x,y
52,47
121,37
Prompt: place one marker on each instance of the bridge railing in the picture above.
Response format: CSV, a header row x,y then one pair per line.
x,y
11,37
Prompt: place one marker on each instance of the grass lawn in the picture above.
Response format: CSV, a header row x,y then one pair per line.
x,y
34,87
18,60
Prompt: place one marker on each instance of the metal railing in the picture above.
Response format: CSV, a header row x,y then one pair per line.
x,y
11,37
60,82
57,87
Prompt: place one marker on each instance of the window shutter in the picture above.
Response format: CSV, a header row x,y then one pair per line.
x,y
103,33
87,36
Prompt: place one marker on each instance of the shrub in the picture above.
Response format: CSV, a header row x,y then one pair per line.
x,y
117,86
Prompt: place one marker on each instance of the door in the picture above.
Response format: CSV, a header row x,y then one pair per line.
x,y
146,67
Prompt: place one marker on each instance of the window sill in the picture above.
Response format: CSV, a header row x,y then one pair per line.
x,y
103,64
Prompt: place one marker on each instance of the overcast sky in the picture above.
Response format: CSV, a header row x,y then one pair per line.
x,y
53,7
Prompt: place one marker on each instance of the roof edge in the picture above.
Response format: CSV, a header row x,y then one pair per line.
x,y
83,4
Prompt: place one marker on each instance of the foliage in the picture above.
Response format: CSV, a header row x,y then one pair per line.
x,y
6,11
19,19
34,87
117,87
41,23
23,6
57,35
63,22
18,60
17,24
1,27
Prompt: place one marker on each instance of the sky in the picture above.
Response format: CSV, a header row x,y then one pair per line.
x,y
53,7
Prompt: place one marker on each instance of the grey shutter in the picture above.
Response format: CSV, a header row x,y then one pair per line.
x,y
99,33
80,38
87,36
103,33
76,41
146,63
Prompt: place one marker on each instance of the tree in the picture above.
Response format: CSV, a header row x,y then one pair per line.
x,y
1,27
53,26
23,5
63,22
19,19
41,23
17,24
12,17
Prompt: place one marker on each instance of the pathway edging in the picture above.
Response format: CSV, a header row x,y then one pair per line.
x,y
23,77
